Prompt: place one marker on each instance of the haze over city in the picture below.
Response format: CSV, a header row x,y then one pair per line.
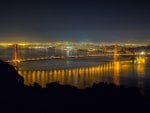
x,y
75,20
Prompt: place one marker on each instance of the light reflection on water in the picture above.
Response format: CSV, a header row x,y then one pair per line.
x,y
118,72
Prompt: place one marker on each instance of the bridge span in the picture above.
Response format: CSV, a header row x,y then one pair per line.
x,y
115,55
69,57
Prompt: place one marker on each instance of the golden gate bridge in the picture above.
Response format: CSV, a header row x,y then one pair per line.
x,y
17,60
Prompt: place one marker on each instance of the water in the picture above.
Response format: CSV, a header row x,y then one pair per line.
x,y
85,74
82,72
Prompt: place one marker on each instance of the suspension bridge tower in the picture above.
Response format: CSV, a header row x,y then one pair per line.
x,y
115,52
16,52
16,55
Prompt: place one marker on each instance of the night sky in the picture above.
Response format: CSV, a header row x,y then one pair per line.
x,y
75,20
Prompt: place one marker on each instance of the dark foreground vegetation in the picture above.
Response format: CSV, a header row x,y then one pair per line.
x,y
15,97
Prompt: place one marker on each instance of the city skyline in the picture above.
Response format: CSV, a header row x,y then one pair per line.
x,y
83,21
